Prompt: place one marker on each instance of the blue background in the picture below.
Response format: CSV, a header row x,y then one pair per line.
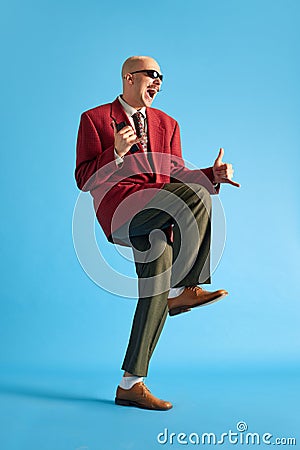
x,y
231,80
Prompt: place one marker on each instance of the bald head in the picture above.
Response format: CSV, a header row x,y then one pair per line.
x,y
139,86
138,63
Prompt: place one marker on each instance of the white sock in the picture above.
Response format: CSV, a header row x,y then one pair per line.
x,y
174,292
128,382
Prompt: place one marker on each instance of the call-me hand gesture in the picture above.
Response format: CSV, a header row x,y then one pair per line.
x,y
223,172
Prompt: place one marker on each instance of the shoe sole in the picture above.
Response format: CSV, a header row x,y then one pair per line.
x,y
121,402
182,309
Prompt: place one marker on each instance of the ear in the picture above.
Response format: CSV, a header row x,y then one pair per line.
x,y
129,78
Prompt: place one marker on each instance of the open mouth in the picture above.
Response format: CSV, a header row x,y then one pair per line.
x,y
151,93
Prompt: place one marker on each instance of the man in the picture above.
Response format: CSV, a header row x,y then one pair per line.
x,y
129,158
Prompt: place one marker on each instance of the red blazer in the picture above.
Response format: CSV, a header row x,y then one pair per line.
x,y
96,170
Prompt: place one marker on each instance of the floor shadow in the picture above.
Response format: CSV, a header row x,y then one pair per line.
x,y
25,391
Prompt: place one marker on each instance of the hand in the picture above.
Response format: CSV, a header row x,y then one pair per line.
x,y
223,172
124,139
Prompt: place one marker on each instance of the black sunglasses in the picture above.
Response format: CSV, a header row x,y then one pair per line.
x,y
151,73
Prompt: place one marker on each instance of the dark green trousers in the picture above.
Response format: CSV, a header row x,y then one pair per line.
x,y
162,263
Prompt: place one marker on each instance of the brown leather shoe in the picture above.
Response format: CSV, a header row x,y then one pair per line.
x,y
192,297
140,396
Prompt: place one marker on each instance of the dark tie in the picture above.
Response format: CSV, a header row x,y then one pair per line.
x,y
138,120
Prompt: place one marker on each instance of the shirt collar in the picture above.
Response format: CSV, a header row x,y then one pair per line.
x,y
129,109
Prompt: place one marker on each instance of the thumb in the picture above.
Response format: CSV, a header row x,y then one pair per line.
x,y
114,127
220,156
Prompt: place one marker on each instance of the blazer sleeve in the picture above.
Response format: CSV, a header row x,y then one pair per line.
x,y
179,172
90,157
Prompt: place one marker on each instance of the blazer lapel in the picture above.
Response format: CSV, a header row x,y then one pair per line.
x,y
156,137
117,112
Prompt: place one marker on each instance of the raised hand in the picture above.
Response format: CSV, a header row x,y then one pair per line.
x,y
124,139
223,172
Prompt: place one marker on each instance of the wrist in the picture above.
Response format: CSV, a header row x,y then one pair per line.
x,y
120,154
214,181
